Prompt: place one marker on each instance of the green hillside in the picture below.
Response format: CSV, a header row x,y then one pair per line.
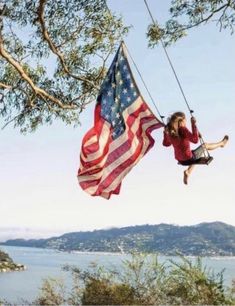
x,y
205,239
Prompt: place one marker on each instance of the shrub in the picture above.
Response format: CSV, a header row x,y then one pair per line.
x,y
52,292
142,280
104,292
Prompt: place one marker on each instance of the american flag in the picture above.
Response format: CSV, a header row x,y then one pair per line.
x,y
121,133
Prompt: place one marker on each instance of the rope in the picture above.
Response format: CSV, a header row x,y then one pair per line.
x,y
176,77
169,60
140,75
138,71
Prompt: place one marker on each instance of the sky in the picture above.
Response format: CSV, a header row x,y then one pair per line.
x,y
39,192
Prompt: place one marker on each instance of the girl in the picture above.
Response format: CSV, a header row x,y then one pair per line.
x,y
177,135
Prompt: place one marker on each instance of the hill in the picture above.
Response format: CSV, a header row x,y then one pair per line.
x,y
205,239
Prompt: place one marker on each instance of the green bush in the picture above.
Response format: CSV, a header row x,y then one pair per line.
x,y
141,281
52,293
103,292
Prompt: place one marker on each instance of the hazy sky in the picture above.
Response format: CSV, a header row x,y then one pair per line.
x,y
39,193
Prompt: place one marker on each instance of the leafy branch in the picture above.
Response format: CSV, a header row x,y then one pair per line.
x,y
188,14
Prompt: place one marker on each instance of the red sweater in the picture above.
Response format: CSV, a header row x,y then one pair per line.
x,y
181,144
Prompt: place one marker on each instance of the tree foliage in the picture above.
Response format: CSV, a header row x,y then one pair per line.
x,y
187,14
52,292
142,280
52,58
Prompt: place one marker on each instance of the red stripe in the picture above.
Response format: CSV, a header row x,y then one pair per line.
x,y
88,184
95,131
91,149
88,171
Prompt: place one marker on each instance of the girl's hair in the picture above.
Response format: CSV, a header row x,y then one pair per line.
x,y
173,123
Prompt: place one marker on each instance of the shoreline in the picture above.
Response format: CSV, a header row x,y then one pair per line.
x,y
8,268
122,253
8,265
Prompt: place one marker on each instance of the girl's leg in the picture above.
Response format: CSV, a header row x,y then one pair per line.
x,y
187,173
220,144
209,146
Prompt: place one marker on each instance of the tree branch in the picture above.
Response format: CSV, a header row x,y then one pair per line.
x,y
220,21
53,48
24,76
169,32
5,86
223,7
8,122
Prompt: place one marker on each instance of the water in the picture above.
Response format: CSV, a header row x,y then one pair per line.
x,y
42,263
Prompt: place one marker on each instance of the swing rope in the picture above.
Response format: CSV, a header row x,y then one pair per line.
x,y
177,79
169,60
142,79
139,73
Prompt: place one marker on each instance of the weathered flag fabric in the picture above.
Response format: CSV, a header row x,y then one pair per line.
x,y
121,133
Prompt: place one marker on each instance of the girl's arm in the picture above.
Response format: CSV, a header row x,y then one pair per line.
x,y
166,138
192,137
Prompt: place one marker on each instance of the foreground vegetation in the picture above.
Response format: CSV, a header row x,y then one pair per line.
x,y
142,280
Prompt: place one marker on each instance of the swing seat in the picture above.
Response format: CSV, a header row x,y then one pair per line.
x,y
200,161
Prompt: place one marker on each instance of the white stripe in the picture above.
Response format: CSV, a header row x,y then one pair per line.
x,y
90,141
96,176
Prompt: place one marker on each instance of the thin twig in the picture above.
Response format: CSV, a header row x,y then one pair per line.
x,y
53,48
5,86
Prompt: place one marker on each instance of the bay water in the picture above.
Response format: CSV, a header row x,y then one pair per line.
x,y
44,263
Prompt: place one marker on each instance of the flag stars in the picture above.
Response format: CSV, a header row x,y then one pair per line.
x,y
119,91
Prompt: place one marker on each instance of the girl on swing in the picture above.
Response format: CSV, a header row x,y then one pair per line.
x,y
177,135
